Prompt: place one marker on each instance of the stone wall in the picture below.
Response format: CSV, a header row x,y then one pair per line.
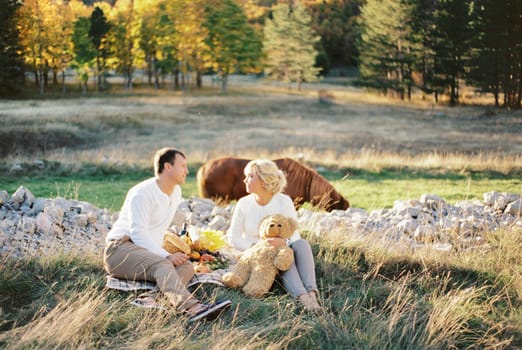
x,y
39,226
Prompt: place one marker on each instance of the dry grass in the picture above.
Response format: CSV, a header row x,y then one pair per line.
x,y
262,119
375,297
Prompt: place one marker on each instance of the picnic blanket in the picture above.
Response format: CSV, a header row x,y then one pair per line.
x,y
147,299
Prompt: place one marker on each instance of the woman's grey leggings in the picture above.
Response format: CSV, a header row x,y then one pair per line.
x,y
300,278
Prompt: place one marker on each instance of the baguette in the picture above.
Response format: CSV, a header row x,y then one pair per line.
x,y
174,244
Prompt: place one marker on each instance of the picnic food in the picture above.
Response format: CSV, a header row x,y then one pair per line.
x,y
174,243
205,255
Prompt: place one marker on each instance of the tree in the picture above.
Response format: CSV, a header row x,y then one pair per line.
x,y
451,44
335,22
496,60
422,23
151,17
125,39
192,50
387,48
233,44
36,22
289,45
84,51
98,34
61,50
12,72
167,32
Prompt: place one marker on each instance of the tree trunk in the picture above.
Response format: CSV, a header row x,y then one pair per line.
x,y
150,69
199,80
224,80
176,79
41,82
63,83
98,75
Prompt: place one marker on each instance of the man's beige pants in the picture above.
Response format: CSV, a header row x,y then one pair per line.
x,y
125,260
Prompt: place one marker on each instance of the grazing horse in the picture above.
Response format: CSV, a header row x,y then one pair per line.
x,y
222,179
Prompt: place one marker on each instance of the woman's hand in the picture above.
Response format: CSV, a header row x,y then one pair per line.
x,y
276,242
178,258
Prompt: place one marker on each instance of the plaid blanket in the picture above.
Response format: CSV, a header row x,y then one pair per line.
x,y
148,298
131,286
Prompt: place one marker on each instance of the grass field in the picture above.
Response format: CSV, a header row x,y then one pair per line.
x,y
374,151
364,189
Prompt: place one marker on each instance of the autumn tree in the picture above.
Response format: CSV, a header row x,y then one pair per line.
x,y
289,45
153,22
124,39
61,49
36,22
192,50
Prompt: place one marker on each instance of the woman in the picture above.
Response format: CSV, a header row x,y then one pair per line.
x,y
265,182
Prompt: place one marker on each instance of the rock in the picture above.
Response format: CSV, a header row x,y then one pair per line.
x,y
54,212
514,208
433,202
4,197
218,223
21,196
44,222
408,226
29,224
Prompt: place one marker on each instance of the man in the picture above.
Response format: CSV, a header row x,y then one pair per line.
x,y
134,244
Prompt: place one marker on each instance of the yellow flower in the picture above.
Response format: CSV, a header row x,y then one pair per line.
x,y
212,240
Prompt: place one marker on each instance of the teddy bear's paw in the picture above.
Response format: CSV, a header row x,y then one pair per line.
x,y
254,292
283,263
230,280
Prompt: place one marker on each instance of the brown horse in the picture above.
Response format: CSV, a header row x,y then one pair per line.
x,y
222,179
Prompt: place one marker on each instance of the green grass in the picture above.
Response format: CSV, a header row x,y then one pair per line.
x,y
103,192
102,187
375,190
106,188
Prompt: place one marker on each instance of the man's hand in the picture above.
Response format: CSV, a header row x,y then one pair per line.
x,y
178,258
276,242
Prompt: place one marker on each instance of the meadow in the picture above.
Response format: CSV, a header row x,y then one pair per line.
x,y
374,150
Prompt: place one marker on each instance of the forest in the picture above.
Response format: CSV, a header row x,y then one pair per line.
x,y
397,47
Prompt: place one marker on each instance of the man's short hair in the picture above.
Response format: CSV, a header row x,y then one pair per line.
x,y
165,155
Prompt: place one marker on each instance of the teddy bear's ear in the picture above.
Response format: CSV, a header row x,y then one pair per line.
x,y
290,225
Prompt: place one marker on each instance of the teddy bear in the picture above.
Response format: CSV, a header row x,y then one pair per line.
x,y
256,269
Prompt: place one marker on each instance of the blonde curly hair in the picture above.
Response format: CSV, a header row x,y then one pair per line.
x,y
274,179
